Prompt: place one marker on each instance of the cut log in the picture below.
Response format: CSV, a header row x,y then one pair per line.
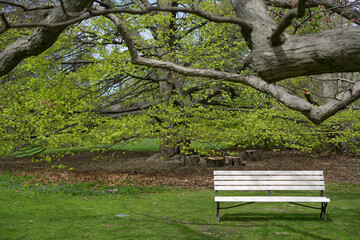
x,y
242,156
253,155
215,161
191,160
235,161
229,160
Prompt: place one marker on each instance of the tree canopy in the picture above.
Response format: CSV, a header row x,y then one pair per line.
x,y
70,68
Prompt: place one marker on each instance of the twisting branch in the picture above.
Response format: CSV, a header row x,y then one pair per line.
x,y
72,14
41,39
348,10
26,9
5,21
299,12
97,11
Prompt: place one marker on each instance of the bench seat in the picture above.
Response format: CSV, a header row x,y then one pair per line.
x,y
271,199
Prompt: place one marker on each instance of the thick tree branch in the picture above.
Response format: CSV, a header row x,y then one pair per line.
x,y
256,13
69,13
348,11
100,12
325,52
118,112
41,39
26,9
57,21
5,21
298,12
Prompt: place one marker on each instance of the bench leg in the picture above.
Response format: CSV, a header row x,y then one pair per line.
x,y
323,211
217,211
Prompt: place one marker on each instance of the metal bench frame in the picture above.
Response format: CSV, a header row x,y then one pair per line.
x,y
269,181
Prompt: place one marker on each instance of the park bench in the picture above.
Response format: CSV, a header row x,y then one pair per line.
x,y
270,181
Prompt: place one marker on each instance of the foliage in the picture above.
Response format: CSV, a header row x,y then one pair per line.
x,y
271,128
66,97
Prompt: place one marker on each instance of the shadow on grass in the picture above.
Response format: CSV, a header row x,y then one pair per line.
x,y
182,227
272,216
303,232
291,218
196,230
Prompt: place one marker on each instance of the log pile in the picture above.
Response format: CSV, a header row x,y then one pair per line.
x,y
235,159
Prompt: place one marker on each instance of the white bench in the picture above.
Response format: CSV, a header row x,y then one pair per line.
x,y
269,181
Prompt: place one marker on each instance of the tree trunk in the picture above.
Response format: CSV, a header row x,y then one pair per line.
x,y
168,149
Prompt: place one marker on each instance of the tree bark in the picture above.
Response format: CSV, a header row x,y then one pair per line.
x,y
333,5
42,38
255,12
326,52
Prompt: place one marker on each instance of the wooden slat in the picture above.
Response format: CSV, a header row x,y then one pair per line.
x,y
258,188
254,178
267,173
271,199
267,183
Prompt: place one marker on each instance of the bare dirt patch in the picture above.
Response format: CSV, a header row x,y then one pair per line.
x,y
115,168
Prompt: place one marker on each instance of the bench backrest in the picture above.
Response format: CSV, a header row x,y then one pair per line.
x,y
269,180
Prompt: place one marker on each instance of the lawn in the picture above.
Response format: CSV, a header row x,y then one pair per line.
x,y
31,210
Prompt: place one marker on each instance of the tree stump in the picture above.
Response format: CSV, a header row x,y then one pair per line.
x,y
242,156
191,160
229,160
215,161
235,161
253,155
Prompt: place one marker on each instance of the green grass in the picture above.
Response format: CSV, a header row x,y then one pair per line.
x,y
145,144
30,210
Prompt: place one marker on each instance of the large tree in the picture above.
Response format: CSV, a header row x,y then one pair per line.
x,y
274,54
184,54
